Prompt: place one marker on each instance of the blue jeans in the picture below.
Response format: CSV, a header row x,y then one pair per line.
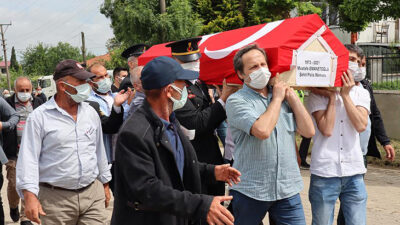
x,y
248,211
351,191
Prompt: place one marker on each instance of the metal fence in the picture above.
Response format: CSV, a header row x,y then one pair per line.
x,y
384,71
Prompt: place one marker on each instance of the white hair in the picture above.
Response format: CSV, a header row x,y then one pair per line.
x,y
135,74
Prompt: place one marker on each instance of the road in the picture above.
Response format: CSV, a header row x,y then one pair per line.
x,y
383,207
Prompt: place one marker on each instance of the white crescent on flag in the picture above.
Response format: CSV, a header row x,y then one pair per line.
x,y
219,54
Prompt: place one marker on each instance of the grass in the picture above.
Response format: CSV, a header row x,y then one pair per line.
x,y
387,85
374,161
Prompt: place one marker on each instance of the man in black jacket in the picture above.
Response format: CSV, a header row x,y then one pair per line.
x,y
199,113
158,178
24,103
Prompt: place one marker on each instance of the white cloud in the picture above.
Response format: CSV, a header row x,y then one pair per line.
x,y
52,21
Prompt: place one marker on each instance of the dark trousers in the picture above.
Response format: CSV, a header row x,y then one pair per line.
x,y
304,146
1,201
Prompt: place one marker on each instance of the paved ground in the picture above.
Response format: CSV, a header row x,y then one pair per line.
x,y
383,186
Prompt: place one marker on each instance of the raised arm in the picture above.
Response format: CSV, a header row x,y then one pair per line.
x,y
358,115
266,123
305,126
324,115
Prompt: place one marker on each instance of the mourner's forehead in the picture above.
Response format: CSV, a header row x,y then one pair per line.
x,y
253,57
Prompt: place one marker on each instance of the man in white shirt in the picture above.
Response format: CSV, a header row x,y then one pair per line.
x,y
62,169
337,165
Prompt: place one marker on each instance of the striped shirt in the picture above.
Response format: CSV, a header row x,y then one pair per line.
x,y
269,167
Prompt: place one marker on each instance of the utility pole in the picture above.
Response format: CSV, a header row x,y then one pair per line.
x,y
83,48
5,53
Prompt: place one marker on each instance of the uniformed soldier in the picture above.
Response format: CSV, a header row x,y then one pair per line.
x,y
132,54
199,113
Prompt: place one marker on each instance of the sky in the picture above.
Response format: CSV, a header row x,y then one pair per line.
x,y
52,21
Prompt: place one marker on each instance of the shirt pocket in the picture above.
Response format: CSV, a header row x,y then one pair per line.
x,y
288,121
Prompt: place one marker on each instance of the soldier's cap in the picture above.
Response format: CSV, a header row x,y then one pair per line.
x,y
70,67
162,71
186,50
135,50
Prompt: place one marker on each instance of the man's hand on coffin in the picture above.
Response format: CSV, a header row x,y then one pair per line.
x,y
227,90
324,92
279,90
348,83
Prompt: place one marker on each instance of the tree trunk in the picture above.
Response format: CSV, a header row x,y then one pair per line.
x,y
162,6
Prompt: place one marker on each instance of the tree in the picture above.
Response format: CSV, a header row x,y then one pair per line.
x,y
222,15
355,15
42,59
13,61
140,21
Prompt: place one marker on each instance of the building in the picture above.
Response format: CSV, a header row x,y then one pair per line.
x,y
3,67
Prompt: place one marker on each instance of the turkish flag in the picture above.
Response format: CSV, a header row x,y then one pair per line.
x,y
279,39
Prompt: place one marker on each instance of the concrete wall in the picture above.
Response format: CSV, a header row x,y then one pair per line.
x,y
389,105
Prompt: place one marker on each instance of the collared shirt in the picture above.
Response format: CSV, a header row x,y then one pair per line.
x,y
269,167
176,144
23,112
60,151
106,104
340,154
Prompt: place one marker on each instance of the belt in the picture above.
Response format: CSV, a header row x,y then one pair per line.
x,y
64,189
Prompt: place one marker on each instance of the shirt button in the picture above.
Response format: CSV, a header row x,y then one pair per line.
x,y
341,148
158,144
194,161
341,121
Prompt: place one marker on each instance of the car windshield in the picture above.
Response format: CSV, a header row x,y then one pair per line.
x,y
45,83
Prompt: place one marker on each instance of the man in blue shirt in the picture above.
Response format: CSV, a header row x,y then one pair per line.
x,y
263,122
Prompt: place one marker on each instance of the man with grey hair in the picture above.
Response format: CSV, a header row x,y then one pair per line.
x,y
132,54
137,101
24,103
263,121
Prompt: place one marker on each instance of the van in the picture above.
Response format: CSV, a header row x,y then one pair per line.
x,y
48,85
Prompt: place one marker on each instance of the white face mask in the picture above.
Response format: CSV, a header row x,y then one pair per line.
x,y
364,72
193,66
177,104
82,92
259,78
23,96
356,71
104,85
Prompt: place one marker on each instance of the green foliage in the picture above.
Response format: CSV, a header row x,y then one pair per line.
x,y
306,8
387,85
116,59
140,21
271,10
355,15
42,59
220,15
13,62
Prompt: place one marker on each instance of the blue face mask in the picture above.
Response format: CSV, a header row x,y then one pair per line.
x,y
82,92
177,104
104,85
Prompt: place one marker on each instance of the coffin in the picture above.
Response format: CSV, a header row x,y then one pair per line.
x,y
302,50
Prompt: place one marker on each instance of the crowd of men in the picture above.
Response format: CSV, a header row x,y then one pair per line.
x,y
150,137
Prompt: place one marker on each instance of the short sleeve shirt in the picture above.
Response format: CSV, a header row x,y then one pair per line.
x,y
269,167
340,154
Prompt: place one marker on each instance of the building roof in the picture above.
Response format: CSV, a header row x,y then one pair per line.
x,y
101,59
3,63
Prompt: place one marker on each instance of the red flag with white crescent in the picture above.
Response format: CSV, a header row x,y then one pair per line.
x,y
279,39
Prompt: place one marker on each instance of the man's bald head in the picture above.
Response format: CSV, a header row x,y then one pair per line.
x,y
22,84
